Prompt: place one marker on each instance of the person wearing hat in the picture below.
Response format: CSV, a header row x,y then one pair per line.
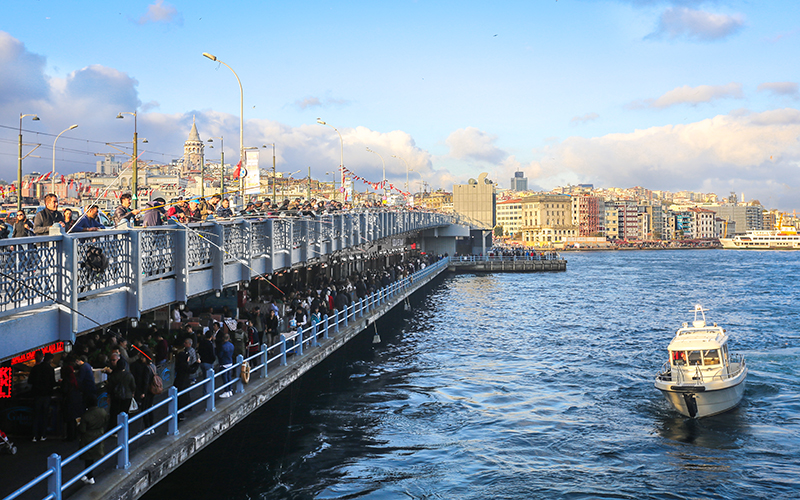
x,y
193,213
153,212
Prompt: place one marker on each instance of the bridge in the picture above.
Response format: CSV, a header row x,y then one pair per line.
x,y
49,293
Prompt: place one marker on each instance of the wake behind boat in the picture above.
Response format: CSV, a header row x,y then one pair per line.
x,y
701,378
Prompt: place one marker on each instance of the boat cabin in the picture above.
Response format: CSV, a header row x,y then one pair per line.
x,y
699,348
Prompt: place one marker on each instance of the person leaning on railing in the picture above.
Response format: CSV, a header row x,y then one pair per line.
x,y
89,222
48,216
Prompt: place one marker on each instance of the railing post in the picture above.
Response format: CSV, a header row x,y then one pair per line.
x,y
210,390
336,322
325,332
54,480
123,461
283,350
346,314
239,383
360,308
173,411
299,350
264,359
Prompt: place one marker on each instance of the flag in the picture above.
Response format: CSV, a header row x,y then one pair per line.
x,y
47,176
63,181
238,170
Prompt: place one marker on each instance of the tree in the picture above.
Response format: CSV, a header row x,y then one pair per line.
x,y
498,231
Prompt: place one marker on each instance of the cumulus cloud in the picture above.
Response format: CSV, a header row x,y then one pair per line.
x,y
780,88
316,102
696,25
23,72
691,95
741,152
588,117
474,144
160,12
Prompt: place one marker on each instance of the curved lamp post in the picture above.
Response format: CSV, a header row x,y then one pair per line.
x,y
53,173
341,164
135,160
241,121
19,164
383,183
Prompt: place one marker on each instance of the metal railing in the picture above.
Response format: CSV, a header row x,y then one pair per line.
x,y
506,258
291,344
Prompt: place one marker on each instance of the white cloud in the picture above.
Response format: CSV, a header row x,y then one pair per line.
x,y
739,152
780,88
697,25
588,117
316,102
473,144
22,72
159,12
691,95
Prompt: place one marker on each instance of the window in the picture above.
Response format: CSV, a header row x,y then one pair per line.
x,y
711,357
695,358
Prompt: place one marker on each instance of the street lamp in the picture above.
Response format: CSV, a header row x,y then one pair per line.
x,y
19,164
289,178
53,173
341,164
333,178
404,161
273,172
135,160
221,164
383,183
241,122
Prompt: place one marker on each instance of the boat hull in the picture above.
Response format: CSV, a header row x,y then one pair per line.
x,y
697,401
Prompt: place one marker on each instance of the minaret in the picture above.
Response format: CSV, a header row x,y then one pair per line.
x,y
193,150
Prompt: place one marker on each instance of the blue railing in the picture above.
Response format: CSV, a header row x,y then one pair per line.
x,y
295,343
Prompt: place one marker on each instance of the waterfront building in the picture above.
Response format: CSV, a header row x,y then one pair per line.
x,y
622,220
747,217
476,200
509,217
519,182
702,225
588,215
652,219
547,220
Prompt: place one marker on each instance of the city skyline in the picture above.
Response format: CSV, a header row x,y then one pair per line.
x,y
670,95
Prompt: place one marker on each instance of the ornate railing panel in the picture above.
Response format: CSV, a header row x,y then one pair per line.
x,y
201,246
158,253
116,247
29,274
281,238
235,240
259,239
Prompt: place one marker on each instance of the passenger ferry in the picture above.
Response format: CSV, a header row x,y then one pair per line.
x,y
701,378
785,238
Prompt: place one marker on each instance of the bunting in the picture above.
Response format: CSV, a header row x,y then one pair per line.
x,y
376,185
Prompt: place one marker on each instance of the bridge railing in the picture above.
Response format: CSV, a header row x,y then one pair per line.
x,y
292,344
506,258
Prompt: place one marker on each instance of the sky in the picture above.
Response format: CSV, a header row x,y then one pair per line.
x,y
669,95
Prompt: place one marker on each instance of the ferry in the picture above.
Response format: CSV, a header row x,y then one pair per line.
x,y
701,377
784,238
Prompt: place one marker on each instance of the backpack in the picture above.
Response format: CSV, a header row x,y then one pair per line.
x,y
156,385
95,259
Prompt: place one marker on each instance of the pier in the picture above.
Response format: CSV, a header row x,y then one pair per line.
x,y
507,264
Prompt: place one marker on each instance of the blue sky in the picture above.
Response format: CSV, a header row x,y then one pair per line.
x,y
697,95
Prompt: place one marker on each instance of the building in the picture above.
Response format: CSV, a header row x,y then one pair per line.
x,y
587,215
519,182
108,166
622,220
509,217
747,217
193,152
476,200
547,220
703,226
652,223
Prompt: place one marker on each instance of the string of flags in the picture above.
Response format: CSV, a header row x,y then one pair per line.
x,y
376,185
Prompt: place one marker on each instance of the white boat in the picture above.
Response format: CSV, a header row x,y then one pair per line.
x,y
701,378
784,238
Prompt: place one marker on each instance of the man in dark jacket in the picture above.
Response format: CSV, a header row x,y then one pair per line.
x,y
123,212
22,226
90,221
42,380
153,212
121,388
92,426
48,216
206,352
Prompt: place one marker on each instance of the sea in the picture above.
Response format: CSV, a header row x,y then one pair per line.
x,y
527,386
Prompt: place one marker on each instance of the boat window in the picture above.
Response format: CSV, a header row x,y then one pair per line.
x,y
711,357
678,357
695,358
725,354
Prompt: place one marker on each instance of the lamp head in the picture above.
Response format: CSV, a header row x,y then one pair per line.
x,y
212,57
73,126
35,118
119,115
144,141
319,120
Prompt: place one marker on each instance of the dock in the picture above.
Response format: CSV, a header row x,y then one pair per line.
x,y
551,262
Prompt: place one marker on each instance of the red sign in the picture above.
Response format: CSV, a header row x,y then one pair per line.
x,y
53,348
5,382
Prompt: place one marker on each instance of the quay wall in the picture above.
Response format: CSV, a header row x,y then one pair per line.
x,y
158,459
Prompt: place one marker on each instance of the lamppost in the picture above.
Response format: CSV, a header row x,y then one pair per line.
x,y
221,163
241,122
135,160
289,179
53,173
333,178
383,183
273,172
341,164
19,164
404,161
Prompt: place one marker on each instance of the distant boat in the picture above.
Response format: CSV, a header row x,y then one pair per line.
x,y
701,378
783,238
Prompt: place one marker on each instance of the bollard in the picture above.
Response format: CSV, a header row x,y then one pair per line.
x,y
173,411
123,456
209,388
325,331
239,383
54,480
264,358
283,350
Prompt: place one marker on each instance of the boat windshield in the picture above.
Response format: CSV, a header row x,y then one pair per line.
x,y
695,358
